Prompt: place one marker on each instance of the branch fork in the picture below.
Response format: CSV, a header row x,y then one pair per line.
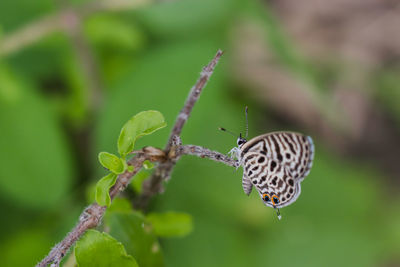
x,y
167,158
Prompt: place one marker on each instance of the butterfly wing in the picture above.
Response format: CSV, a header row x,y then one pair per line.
x,y
270,177
276,163
293,150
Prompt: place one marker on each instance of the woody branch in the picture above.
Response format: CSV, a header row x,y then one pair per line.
x,y
92,215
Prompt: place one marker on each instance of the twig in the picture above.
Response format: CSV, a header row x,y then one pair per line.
x,y
206,153
91,216
163,171
192,99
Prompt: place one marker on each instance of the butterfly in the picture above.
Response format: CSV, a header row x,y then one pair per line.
x,y
275,164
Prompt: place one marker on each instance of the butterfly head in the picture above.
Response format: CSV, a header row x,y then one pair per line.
x,y
274,201
241,141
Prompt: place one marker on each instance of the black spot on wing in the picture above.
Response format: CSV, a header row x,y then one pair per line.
x,y
273,165
249,158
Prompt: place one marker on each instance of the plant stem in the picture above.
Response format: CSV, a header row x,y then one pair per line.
x,y
153,185
92,215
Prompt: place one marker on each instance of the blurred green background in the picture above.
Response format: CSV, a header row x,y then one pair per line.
x,y
73,72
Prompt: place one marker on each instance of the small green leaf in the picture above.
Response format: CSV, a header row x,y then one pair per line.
x,y
130,168
112,162
170,224
101,249
103,187
125,165
143,123
148,165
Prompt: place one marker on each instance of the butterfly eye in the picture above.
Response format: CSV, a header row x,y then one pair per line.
x,y
241,141
275,199
266,198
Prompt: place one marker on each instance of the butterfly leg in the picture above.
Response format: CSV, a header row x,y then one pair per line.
x,y
235,153
232,153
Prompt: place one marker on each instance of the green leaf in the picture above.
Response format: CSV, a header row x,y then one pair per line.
x,y
170,224
14,15
110,31
112,162
36,169
143,123
182,17
103,187
148,165
101,249
137,236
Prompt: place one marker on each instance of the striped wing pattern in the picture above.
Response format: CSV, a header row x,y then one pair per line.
x,y
276,163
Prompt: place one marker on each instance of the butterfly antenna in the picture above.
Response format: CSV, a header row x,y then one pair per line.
x,y
229,132
247,122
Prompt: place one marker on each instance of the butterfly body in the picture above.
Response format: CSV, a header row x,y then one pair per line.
x,y
275,164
